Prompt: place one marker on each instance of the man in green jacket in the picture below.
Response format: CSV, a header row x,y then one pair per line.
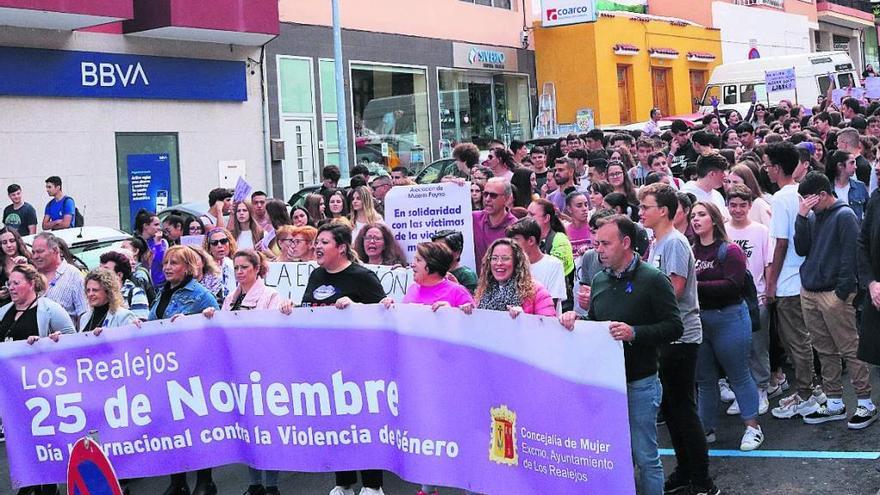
x,y
639,302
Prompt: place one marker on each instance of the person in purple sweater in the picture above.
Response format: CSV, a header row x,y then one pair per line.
x,y
727,330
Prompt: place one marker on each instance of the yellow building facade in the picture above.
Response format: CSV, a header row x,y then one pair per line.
x,y
624,64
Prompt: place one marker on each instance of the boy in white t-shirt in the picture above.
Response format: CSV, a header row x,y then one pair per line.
x,y
754,239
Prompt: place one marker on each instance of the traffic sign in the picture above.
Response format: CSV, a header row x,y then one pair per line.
x,y
89,472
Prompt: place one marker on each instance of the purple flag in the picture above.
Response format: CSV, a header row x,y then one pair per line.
x,y
480,401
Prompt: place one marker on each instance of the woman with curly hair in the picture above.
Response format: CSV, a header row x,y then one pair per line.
x,y
375,245
106,309
507,284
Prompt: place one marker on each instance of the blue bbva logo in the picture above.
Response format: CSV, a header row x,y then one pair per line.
x,y
485,56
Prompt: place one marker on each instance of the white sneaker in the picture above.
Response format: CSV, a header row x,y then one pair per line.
x,y
733,410
752,439
371,491
793,405
763,402
726,394
341,491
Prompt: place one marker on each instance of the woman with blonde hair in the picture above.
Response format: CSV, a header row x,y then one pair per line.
x,y
106,309
506,283
363,210
245,229
220,244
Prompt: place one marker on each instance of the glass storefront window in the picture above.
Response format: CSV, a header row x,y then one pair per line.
x,y
391,118
328,86
296,74
476,107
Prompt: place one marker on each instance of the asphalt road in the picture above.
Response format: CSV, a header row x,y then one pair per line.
x,y
812,463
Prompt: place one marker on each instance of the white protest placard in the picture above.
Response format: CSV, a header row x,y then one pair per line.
x,y
837,95
291,279
192,240
872,87
780,80
415,213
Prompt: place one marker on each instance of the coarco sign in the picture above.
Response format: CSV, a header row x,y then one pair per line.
x,y
563,12
467,56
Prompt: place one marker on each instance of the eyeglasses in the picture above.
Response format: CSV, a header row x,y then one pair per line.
x,y
286,240
217,242
371,238
647,207
615,174
501,259
490,195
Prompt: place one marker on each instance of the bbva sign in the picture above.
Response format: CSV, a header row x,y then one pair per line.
x,y
107,75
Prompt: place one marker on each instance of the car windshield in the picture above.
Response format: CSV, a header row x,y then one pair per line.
x,y
90,254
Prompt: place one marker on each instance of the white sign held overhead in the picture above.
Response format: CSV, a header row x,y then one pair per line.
x,y
565,12
780,80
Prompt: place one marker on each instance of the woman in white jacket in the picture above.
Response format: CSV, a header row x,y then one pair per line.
x,y
30,315
105,303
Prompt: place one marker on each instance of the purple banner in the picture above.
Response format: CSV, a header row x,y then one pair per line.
x,y
478,401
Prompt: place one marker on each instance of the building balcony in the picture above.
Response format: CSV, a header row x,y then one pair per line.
x,y
846,13
776,4
63,14
236,22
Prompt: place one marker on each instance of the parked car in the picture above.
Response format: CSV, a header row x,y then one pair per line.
x,y
88,243
192,208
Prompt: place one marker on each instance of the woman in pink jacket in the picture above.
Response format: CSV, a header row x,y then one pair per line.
x,y
506,284
250,268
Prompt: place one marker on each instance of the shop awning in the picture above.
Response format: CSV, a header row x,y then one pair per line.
x,y
237,22
63,14
840,15
625,49
701,57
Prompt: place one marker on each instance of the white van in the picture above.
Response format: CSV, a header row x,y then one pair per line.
x,y
734,83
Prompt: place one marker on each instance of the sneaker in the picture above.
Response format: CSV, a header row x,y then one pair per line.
x,y
763,402
733,410
752,439
338,490
710,436
778,389
793,405
824,415
819,395
371,491
726,394
863,418
676,484
704,490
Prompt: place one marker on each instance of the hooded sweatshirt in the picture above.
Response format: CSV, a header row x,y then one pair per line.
x,y
828,241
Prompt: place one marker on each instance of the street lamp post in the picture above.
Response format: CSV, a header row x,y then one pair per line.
x,y
342,120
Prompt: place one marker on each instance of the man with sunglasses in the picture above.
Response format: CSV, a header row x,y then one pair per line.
x,y
492,221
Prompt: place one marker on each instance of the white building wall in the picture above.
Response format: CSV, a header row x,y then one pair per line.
x,y
772,33
75,137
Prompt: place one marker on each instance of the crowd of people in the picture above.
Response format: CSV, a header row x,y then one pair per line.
x,y
721,256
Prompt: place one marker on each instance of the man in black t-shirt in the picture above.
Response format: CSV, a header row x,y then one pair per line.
x,y
20,215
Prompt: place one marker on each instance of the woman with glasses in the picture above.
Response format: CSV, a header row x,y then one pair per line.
x,y
501,163
507,284
13,252
296,243
220,244
245,229
375,245
193,226
363,211
622,154
761,116
620,181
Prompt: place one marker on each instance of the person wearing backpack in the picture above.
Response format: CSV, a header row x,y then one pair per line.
x,y
825,233
60,212
754,239
727,326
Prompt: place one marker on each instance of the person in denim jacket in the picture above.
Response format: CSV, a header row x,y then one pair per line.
x,y
841,170
182,295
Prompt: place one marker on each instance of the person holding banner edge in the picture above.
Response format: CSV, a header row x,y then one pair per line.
x,y
341,281
640,303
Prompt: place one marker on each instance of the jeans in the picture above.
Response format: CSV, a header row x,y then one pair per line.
x,y
678,364
257,477
727,340
643,397
759,361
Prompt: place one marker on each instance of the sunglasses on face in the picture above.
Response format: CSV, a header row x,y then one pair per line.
x,y
491,195
217,242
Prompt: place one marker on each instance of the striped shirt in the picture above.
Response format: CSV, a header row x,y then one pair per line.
x,y
67,289
136,300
